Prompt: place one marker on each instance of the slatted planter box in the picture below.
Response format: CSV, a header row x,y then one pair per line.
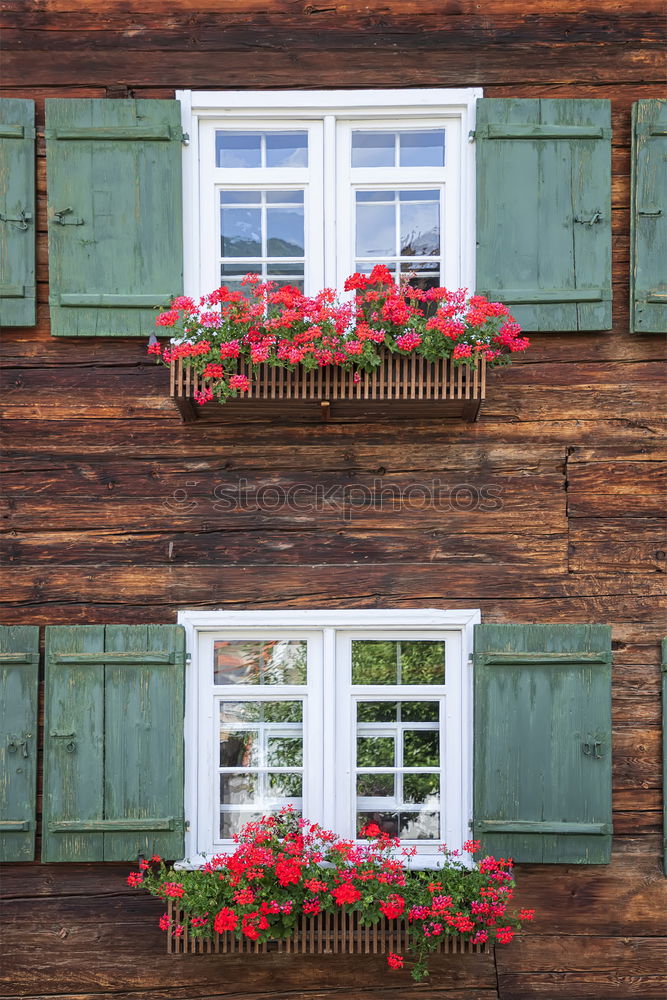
x,y
337,933
399,387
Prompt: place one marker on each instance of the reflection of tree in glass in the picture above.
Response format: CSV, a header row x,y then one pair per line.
x,y
386,662
238,749
420,749
282,711
284,752
375,785
285,785
375,751
421,787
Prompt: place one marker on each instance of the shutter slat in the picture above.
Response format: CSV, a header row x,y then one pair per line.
x,y
19,659
114,214
542,762
544,210
17,212
648,218
128,800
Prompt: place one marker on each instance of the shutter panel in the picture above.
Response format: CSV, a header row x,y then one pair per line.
x,y
648,219
113,775
115,207
19,665
542,742
544,210
664,753
17,212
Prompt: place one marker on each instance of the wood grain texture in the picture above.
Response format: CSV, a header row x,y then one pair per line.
x,y
100,477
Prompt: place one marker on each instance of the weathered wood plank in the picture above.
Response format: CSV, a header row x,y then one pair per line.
x,y
563,953
634,544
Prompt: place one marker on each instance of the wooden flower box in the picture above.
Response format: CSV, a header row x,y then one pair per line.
x,y
337,933
400,387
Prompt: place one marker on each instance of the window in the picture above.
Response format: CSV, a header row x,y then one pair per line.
x,y
305,188
350,717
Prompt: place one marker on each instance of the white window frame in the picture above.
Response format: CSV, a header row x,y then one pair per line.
x,y
336,728
335,110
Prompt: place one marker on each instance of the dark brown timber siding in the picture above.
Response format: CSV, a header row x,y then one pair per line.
x,y
113,514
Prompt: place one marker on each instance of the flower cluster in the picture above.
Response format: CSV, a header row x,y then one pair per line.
x,y
280,326
284,867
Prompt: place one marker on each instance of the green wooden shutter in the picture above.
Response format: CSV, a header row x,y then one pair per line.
x,y
648,218
542,757
114,213
17,212
113,742
544,210
19,665
664,753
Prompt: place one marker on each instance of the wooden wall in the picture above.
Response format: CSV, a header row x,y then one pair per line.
x,y
111,513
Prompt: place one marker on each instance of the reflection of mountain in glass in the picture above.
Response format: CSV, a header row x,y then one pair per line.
x,y
237,246
421,244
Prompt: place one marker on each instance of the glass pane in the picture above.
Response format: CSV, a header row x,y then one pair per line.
x,y
284,197
376,230
422,662
376,785
239,748
284,751
278,271
422,788
238,149
240,197
241,268
241,230
374,662
231,822
422,149
239,713
373,149
421,749
387,662
423,275
276,661
287,149
420,711
406,825
284,231
285,786
237,789
420,228
376,751
376,711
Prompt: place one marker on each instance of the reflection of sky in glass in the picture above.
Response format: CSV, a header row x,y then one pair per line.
x,y
410,148
398,223
247,150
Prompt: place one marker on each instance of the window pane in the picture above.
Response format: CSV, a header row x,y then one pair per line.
x,y
421,749
376,711
284,751
420,711
247,662
238,149
239,713
376,229
376,751
261,149
421,788
287,149
422,149
375,785
422,662
406,825
284,231
420,228
285,786
232,821
373,149
239,749
387,662
241,232
239,789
